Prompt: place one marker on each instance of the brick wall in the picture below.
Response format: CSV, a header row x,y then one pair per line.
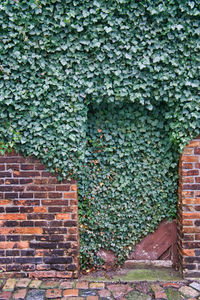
x,y
38,221
189,210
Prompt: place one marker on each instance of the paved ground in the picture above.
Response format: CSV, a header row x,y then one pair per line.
x,y
80,290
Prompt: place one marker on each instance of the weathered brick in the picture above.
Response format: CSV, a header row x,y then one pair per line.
x,y
40,195
190,173
25,181
5,174
53,293
54,209
55,202
12,252
191,229
42,188
32,220
11,195
40,209
70,195
27,167
39,167
9,285
37,216
191,187
26,195
63,216
19,294
70,292
12,181
58,260
5,202
40,245
12,217
188,252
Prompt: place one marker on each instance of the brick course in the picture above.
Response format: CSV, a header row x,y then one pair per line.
x,y
188,210
38,221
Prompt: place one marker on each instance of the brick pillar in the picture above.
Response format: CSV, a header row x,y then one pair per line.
x,y
38,221
189,210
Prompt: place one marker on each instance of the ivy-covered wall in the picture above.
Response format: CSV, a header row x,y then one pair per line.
x,y
106,92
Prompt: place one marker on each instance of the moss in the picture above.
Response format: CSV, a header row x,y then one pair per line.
x,y
137,296
140,275
173,294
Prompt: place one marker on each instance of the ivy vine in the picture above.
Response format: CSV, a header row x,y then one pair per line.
x,y
106,92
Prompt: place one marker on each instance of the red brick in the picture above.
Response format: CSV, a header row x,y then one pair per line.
x,y
187,165
27,167
197,237
26,180
197,179
53,293
194,144
12,181
191,230
171,284
73,187
191,201
197,151
42,274
63,187
70,195
5,202
63,216
187,194
188,252
29,230
82,285
42,188
39,209
191,215
55,195
39,167
160,295
26,174
55,202
40,195
189,180
70,292
2,167
5,295
190,173
12,217
5,174
188,151
14,167
16,245
40,181
97,285
191,187
19,294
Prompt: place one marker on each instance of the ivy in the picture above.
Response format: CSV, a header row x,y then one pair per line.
x,y
106,92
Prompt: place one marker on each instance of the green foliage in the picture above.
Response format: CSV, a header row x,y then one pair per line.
x,y
106,92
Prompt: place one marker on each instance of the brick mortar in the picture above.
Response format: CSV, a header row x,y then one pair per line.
x,y
39,221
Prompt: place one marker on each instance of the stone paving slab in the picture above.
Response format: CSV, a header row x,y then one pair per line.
x,y
20,289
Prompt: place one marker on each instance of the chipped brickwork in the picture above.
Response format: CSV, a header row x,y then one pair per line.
x,y
189,210
38,221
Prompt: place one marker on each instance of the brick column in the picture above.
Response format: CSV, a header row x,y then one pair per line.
x,y
189,210
38,221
